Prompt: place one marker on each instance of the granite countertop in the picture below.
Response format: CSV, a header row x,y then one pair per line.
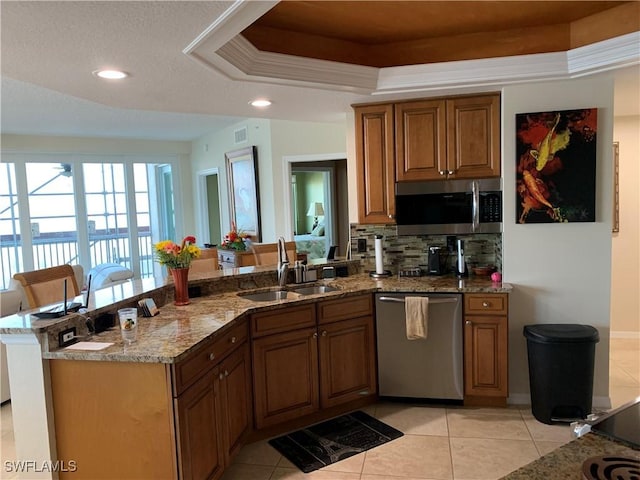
x,y
565,462
176,331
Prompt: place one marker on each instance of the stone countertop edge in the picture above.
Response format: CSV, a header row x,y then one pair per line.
x,y
565,462
177,331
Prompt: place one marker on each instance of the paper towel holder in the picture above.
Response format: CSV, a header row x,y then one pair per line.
x,y
379,272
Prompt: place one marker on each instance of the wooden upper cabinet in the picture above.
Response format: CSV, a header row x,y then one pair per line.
x,y
473,137
375,163
421,143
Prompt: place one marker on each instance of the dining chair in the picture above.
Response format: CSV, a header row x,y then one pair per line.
x,y
46,286
206,263
267,253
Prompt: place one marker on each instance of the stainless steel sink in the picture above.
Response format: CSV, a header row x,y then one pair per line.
x,y
269,296
315,289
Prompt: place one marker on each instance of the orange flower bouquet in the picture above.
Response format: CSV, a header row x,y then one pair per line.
x,y
174,256
235,239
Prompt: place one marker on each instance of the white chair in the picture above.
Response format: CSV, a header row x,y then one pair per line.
x,y
109,274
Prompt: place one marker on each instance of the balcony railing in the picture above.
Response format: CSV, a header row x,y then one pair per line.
x,y
58,249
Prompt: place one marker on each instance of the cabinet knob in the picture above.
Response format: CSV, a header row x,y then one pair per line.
x,y
451,172
212,356
234,339
221,376
441,172
390,216
468,322
226,373
485,304
315,335
324,333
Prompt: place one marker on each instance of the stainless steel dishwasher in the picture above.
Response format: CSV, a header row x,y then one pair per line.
x,y
420,369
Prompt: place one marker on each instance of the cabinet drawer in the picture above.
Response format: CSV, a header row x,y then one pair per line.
x,y
283,320
190,369
345,308
486,303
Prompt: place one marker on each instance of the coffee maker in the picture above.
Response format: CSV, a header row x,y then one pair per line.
x,y
437,260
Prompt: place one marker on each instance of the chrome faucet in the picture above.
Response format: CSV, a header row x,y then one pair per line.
x,y
283,263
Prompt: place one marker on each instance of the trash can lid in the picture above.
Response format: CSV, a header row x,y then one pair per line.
x,y
561,333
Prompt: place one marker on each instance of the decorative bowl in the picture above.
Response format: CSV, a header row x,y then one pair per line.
x,y
483,271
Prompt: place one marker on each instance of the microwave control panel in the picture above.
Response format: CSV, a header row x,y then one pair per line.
x,y
491,207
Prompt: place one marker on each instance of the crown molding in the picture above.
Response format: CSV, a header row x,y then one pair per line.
x,y
239,15
221,48
333,75
472,73
618,52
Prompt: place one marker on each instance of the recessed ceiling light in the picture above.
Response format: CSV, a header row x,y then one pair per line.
x,y
260,103
111,74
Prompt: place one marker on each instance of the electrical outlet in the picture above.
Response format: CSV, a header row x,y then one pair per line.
x,y
67,337
362,245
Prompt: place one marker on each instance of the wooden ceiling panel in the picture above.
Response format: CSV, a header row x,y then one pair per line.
x,y
386,33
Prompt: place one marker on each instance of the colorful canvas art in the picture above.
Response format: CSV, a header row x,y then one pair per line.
x,y
556,166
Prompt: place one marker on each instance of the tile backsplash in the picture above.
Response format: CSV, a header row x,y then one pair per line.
x,y
408,251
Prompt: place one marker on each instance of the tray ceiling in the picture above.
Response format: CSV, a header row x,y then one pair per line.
x,y
395,33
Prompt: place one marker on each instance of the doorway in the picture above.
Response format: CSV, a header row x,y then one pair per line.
x,y
210,224
319,207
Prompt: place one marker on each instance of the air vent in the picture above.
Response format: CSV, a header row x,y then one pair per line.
x,y
240,136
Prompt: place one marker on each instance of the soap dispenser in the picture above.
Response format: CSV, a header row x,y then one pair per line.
x,y
298,270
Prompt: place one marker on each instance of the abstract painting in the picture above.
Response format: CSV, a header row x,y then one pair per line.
x,y
556,166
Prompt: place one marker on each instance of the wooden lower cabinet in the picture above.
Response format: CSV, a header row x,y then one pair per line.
x,y
213,416
285,376
347,361
299,372
198,426
486,349
236,401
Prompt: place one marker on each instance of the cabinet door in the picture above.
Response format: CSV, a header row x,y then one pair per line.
x,y
421,145
285,376
200,453
347,361
235,391
375,163
485,356
473,137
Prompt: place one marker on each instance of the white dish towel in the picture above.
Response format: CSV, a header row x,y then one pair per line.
x,y
417,317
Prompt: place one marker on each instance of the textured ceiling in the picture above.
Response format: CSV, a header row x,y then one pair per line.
x,y
49,50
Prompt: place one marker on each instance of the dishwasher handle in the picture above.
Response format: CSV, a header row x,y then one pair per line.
x,y
431,301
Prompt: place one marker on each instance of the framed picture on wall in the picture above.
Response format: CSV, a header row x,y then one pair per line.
x,y
556,166
244,194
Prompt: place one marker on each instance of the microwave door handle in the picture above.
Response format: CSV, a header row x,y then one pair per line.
x,y
475,207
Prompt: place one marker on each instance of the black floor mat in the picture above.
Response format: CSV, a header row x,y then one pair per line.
x,y
329,442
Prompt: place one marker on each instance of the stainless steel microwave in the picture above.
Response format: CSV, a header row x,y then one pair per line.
x,y
449,207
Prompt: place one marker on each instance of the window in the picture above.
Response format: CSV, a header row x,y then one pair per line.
x,y
86,210
52,211
10,250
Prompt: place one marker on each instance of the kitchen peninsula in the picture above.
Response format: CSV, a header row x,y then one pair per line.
x,y
187,382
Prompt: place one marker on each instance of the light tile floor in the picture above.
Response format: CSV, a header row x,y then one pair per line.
x,y
439,443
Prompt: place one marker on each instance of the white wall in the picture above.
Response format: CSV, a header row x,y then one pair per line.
x,y
561,272
208,152
299,138
274,139
625,259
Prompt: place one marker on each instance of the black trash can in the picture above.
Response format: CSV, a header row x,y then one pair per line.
x,y
561,359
